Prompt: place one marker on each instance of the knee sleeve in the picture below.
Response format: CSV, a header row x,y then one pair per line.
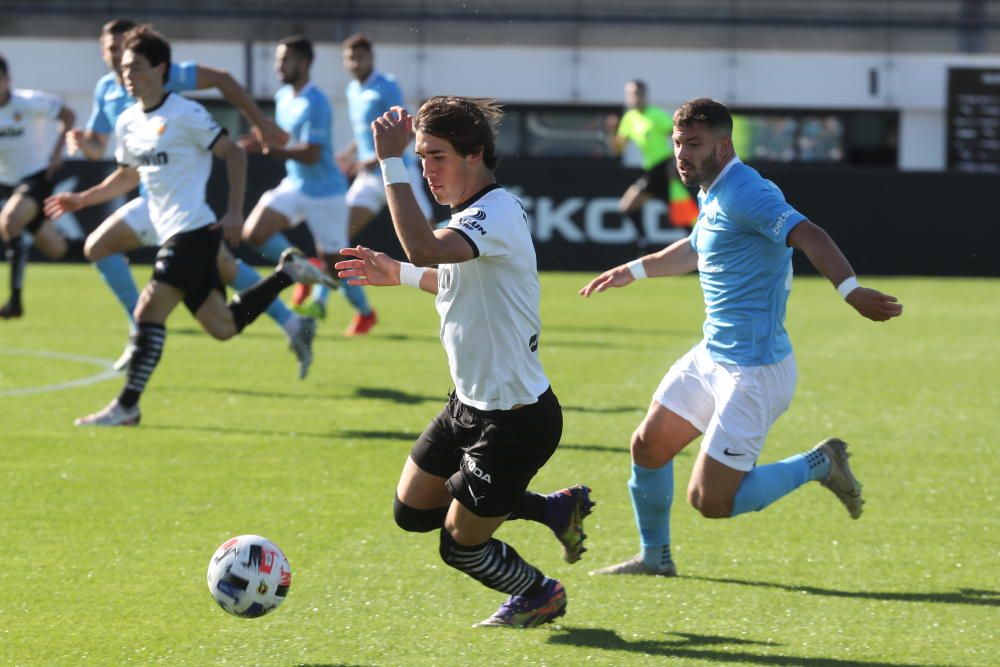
x,y
417,521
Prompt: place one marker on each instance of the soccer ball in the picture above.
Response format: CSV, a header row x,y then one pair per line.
x,y
249,576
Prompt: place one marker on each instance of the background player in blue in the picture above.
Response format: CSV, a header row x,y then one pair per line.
x,y
734,384
129,227
313,188
369,95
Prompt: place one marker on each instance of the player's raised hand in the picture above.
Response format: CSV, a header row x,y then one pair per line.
x,y
369,267
874,305
392,131
620,276
64,202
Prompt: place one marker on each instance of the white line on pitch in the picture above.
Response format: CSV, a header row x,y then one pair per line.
x,y
106,373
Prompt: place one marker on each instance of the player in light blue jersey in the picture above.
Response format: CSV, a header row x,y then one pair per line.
x,y
733,385
313,188
370,94
130,227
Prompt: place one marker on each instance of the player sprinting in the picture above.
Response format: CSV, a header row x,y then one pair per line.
x,y
313,188
734,384
469,470
167,142
28,162
370,94
129,227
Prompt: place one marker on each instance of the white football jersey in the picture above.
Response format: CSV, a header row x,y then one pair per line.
x,y
26,138
170,146
489,307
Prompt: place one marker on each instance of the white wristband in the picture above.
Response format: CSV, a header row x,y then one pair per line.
x,y
410,274
394,171
637,269
848,286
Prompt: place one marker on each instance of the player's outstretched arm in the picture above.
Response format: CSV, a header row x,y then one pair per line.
x,y
370,267
120,181
236,173
676,259
264,129
826,256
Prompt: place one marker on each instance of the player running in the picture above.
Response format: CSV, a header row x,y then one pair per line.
x,y
733,385
28,162
167,142
469,470
313,188
129,227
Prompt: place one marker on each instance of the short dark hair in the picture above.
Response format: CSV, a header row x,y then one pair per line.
x,y
469,124
150,44
358,40
117,27
712,114
300,45
639,83
3,67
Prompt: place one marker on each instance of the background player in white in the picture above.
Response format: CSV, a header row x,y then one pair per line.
x,y
733,385
469,470
28,162
370,94
313,188
168,142
129,227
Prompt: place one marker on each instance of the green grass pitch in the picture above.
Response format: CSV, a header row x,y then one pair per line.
x,y
106,534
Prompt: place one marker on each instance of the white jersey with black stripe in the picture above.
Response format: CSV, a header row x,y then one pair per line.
x,y
27,133
170,145
489,306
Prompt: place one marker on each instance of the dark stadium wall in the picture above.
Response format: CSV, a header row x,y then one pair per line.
x,y
887,222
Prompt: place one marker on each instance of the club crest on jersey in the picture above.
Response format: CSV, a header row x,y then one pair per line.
x,y
17,116
162,128
470,220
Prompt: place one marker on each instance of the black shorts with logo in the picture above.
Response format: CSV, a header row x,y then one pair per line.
x,y
656,180
189,262
489,456
38,187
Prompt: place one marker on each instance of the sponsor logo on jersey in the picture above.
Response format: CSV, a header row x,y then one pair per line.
x,y
7,132
780,222
152,158
475,470
471,224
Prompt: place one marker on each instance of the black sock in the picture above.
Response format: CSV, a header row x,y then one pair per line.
x,y
251,302
17,255
531,506
493,564
149,346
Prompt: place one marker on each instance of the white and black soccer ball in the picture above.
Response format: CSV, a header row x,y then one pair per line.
x,y
249,576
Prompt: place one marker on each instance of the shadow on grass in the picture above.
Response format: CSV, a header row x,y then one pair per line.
x,y
973,596
696,647
397,396
605,410
291,433
635,331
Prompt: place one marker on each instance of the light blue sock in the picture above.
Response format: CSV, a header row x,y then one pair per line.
x,y
652,491
247,277
355,294
320,293
272,248
114,270
765,484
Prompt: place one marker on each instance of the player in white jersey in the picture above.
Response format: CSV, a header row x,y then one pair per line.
x,y
130,227
167,141
735,384
28,162
469,470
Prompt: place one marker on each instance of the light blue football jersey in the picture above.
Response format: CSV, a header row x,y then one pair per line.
x,y
745,266
368,101
308,118
111,98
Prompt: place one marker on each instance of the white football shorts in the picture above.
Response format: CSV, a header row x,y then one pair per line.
x,y
135,213
734,406
368,191
326,217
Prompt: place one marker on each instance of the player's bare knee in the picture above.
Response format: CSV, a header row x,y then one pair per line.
x,y
708,505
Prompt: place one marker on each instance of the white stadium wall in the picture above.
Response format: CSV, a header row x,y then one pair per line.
x,y
914,84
